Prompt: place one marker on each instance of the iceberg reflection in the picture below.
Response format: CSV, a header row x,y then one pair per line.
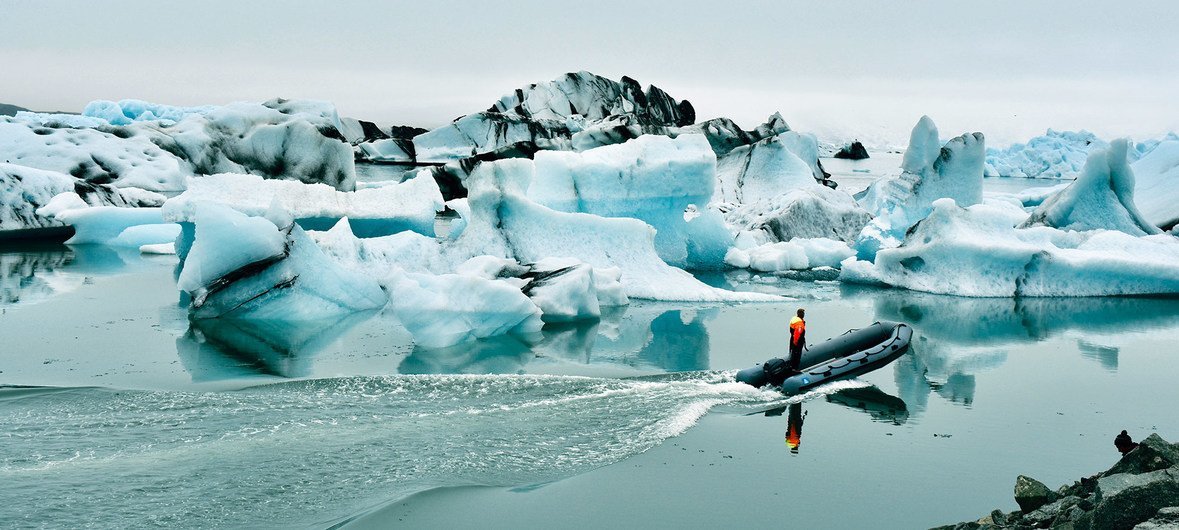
x,y
216,349
638,338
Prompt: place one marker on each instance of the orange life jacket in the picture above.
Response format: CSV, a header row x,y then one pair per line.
x,y
797,329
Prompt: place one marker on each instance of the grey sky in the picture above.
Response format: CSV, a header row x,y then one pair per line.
x,y
866,68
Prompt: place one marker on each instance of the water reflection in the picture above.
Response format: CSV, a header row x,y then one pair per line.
x,y
641,338
957,337
217,349
35,272
880,405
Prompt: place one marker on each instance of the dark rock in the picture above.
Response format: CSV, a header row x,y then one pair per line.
x,y
1152,454
1124,500
1031,494
854,151
1165,519
10,110
1046,514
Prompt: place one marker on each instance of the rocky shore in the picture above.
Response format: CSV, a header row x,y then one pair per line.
x,y
1141,492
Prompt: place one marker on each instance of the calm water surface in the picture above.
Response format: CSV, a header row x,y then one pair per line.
x,y
140,418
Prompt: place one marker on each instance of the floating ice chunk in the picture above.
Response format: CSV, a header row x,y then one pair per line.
x,y
564,290
505,223
1156,175
1056,154
448,309
595,98
978,251
930,172
110,225
245,267
227,240
796,254
410,205
60,203
1102,197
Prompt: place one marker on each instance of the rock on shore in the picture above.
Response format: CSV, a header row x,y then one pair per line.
x,y
1140,492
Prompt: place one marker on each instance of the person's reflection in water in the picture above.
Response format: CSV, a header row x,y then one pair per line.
x,y
794,427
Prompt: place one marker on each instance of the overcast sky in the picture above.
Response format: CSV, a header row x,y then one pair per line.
x,y
870,69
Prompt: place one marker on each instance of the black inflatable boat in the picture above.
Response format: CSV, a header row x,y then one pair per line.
x,y
856,352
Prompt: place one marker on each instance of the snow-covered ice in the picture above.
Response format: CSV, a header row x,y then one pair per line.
x,y
30,198
1102,197
1056,154
796,254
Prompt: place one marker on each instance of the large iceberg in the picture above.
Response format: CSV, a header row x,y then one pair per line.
x,y
447,309
249,268
409,205
651,178
1056,154
1102,197
155,147
1156,177
504,222
978,251
595,98
930,171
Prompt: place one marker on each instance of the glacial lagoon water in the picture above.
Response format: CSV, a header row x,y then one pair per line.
x,y
119,412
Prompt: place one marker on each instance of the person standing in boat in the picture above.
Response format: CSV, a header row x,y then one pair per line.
x,y
797,339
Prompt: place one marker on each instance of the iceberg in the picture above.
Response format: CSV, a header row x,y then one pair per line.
x,y
105,155
796,254
30,198
978,251
120,227
930,172
595,98
448,309
1156,175
1102,197
377,211
487,132
504,222
155,147
1056,154
651,178
248,268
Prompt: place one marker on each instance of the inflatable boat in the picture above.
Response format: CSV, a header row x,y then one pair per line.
x,y
858,351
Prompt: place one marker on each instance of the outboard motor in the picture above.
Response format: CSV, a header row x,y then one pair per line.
x,y
776,370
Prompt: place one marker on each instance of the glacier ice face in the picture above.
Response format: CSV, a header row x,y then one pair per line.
x,y
760,171
246,267
1102,197
651,178
1056,154
978,251
930,172
409,205
1156,175
504,222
